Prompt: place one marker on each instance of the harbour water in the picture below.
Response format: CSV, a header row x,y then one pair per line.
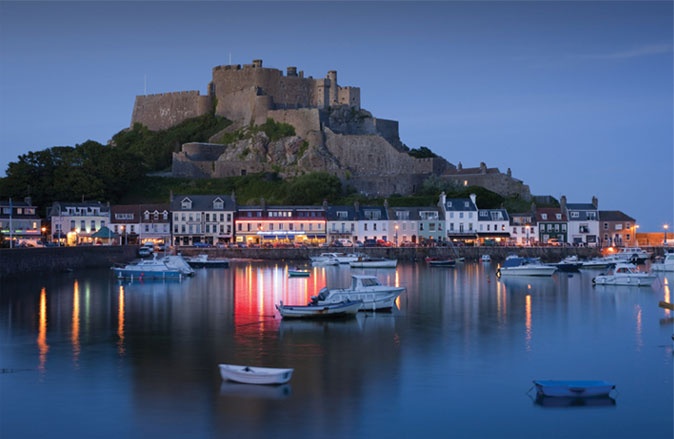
x,y
83,355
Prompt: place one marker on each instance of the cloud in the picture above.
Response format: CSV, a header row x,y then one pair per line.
x,y
648,50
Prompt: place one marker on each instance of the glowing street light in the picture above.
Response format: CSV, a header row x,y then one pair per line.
x,y
664,242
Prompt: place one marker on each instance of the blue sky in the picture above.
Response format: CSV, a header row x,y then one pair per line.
x,y
575,97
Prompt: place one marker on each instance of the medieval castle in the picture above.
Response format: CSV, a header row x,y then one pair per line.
x,y
333,134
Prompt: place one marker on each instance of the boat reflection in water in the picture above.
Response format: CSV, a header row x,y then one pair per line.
x,y
238,390
597,401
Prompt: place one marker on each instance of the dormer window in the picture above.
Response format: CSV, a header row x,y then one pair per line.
x,y
558,216
544,216
218,204
186,204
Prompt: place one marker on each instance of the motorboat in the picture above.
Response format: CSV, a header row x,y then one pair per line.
x,y
147,269
485,258
298,272
635,255
599,263
328,310
625,274
573,388
569,264
177,262
340,258
373,262
519,266
667,263
255,375
366,288
204,261
440,262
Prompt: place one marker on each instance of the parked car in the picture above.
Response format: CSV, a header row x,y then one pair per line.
x,y
370,243
144,252
202,245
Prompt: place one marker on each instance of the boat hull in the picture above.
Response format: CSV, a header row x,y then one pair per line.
x,y
327,311
573,388
387,263
640,281
255,375
527,271
123,273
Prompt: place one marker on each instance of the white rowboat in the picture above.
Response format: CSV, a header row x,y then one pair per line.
x,y
255,375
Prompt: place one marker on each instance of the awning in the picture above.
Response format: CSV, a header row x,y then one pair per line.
x,y
104,232
493,235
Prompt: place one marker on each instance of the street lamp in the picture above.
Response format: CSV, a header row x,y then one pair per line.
x,y
664,242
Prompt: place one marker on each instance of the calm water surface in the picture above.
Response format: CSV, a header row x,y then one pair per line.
x,y
85,356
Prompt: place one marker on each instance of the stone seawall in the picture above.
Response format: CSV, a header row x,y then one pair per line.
x,y
471,254
43,261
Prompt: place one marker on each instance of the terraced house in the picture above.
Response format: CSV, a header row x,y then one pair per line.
x,y
202,219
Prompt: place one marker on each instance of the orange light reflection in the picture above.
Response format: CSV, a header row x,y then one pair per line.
x,y
42,345
527,323
120,322
75,337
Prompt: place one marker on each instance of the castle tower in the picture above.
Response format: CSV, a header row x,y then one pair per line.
x,y
332,92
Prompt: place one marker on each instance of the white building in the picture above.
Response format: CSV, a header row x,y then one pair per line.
x,y
74,223
206,219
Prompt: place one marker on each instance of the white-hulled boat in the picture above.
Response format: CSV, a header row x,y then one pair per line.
x,y
372,262
569,264
255,375
341,258
625,274
635,255
365,288
667,264
326,311
298,272
518,266
177,262
573,388
485,258
147,269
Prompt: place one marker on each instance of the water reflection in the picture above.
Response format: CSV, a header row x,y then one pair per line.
x,y
455,336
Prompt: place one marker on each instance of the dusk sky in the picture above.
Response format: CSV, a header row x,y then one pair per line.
x,y
575,97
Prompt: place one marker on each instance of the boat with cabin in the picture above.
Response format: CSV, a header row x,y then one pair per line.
x,y
440,262
155,268
519,266
625,274
366,288
635,255
667,264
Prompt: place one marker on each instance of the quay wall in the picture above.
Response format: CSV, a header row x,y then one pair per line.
x,y
17,262
40,261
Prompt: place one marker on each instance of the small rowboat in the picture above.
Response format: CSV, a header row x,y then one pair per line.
x,y
573,388
298,272
440,262
255,375
328,310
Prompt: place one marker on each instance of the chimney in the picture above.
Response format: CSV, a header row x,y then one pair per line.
x,y
473,198
595,202
443,200
562,204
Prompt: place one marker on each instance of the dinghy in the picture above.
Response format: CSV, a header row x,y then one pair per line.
x,y
255,375
573,388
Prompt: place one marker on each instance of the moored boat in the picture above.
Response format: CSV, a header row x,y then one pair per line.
x,y
518,266
204,261
328,310
147,269
298,272
625,274
635,255
569,264
485,258
365,288
573,388
440,262
667,263
255,375
372,262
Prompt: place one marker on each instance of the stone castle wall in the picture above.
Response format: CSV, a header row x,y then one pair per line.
x,y
162,111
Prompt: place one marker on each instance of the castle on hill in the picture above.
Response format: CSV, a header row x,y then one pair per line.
x,y
333,134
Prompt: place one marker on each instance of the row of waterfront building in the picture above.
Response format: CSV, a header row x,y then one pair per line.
x,y
217,220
